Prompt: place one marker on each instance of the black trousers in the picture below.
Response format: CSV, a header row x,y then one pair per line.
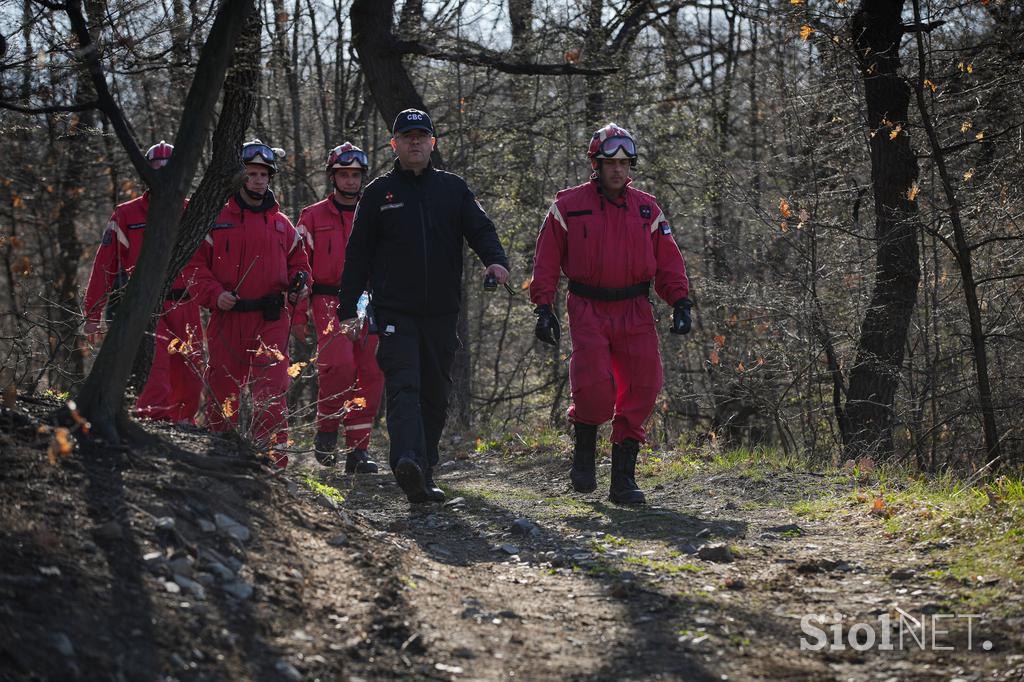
x,y
416,355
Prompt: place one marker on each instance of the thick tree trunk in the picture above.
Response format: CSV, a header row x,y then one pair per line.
x,y
101,397
877,30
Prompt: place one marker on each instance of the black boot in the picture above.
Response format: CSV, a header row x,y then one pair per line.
x,y
434,494
583,473
323,447
624,489
411,479
358,462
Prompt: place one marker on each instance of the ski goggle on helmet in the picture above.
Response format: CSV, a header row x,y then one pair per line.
x,y
612,142
161,151
257,152
345,155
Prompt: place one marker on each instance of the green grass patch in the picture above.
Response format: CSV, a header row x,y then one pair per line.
x,y
318,486
983,524
662,566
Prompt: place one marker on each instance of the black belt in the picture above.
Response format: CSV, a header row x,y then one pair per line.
x,y
270,305
177,295
607,294
326,289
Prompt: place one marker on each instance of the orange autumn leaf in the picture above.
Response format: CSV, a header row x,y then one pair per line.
x,y
720,341
895,131
714,357
805,32
226,407
912,192
360,402
930,85
784,208
294,369
879,508
172,347
740,367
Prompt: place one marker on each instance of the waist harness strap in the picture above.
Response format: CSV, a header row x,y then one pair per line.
x,y
609,294
326,289
177,295
269,302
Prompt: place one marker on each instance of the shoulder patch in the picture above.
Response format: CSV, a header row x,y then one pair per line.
x,y
108,237
645,211
665,227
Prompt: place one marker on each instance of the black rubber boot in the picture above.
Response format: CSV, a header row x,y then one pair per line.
x,y
623,488
411,479
358,462
434,494
323,447
583,473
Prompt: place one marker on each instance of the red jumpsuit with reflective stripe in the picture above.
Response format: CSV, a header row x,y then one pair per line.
x,y
252,253
174,386
615,369
348,369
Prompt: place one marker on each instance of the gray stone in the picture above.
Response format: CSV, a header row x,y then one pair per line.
x,y
232,528
205,579
192,586
703,533
786,529
221,571
165,523
339,540
182,566
172,587
239,589
524,527
328,502
62,643
509,549
455,502
207,526
288,671
718,553
234,563
111,530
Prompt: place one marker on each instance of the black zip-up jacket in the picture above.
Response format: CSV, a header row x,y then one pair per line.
x,y
406,244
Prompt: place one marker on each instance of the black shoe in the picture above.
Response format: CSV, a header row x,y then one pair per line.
x,y
583,473
623,488
434,494
411,479
323,447
358,462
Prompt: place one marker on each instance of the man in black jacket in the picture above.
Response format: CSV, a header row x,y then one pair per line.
x,y
406,249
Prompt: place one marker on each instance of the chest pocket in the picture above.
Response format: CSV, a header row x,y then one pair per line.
x,y
583,238
642,263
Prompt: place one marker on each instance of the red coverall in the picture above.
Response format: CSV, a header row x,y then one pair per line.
x,y
251,253
615,369
174,386
348,369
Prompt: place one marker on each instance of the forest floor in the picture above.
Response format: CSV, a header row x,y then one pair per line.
x,y
180,562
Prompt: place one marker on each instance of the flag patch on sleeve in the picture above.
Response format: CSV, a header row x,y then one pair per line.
x,y
666,228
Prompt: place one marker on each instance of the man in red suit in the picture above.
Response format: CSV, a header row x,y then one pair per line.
x,y
174,386
611,240
347,368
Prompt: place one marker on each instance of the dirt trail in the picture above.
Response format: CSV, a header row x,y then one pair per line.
x,y
140,565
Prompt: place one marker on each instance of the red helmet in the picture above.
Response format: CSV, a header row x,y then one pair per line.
x,y
612,142
345,155
257,152
161,151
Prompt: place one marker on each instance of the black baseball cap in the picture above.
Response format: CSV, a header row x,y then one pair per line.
x,y
412,119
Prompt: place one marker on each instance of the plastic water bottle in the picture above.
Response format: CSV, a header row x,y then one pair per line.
x,y
364,300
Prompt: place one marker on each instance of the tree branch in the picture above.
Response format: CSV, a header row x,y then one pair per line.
x,y
59,108
496,61
90,53
922,27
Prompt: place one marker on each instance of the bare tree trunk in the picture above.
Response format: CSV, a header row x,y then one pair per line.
x,y
963,253
877,29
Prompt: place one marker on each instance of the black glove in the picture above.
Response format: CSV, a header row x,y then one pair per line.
x,y
681,321
547,330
